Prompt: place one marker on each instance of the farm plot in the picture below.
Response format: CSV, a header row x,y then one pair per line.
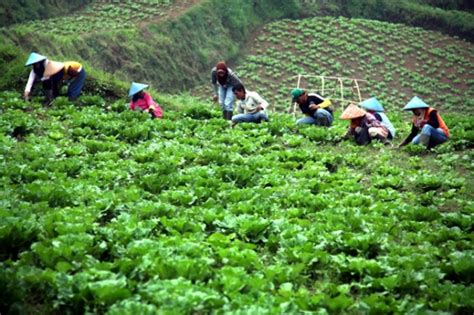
x,y
104,210
397,61
105,17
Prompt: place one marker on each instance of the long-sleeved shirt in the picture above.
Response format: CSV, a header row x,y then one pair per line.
x,y
368,121
145,103
50,68
250,103
232,80
316,99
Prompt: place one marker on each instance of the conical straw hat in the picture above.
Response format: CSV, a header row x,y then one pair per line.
x,y
136,87
34,58
415,102
372,104
352,111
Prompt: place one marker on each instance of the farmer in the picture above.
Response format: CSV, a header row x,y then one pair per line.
x,y
373,106
143,100
364,126
52,73
315,108
250,107
428,128
223,79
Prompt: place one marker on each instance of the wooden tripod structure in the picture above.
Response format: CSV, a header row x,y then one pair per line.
x,y
336,94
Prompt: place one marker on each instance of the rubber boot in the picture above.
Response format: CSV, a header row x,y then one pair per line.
x,y
322,121
48,97
424,140
227,115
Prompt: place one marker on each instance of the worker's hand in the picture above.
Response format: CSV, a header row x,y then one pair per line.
x,y
215,98
313,106
26,95
72,72
259,108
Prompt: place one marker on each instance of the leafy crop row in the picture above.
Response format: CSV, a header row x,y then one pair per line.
x,y
105,210
397,61
100,16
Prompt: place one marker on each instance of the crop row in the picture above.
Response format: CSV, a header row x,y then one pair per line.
x,y
104,209
397,61
101,16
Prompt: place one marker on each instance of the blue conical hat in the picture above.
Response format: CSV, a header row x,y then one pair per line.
x,y
34,58
135,88
372,104
415,102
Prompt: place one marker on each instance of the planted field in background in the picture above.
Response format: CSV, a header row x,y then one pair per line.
x,y
103,16
103,209
397,61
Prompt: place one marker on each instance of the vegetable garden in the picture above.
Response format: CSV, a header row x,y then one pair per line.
x,y
104,16
397,61
105,210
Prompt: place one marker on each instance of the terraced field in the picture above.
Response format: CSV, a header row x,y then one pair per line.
x,y
397,61
108,16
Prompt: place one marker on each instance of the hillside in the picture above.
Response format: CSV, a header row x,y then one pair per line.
x,y
12,11
397,61
171,44
106,211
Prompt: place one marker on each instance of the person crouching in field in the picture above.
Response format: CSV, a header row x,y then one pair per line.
x,y
428,128
373,106
223,79
52,74
316,109
364,126
250,107
143,100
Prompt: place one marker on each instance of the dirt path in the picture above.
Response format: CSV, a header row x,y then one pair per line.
x,y
178,8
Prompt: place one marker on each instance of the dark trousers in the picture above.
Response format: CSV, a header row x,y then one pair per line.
x,y
54,83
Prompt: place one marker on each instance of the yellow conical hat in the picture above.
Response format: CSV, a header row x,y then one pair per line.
x,y
352,111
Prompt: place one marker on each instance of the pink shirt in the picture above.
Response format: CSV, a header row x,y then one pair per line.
x,y
145,103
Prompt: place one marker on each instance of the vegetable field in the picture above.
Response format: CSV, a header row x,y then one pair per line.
x,y
105,210
397,61
104,17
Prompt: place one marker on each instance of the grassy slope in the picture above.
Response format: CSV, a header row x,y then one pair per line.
x,y
397,61
109,210
170,46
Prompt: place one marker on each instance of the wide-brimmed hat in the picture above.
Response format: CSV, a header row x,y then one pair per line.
x,y
296,93
372,104
415,102
34,58
136,87
352,111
